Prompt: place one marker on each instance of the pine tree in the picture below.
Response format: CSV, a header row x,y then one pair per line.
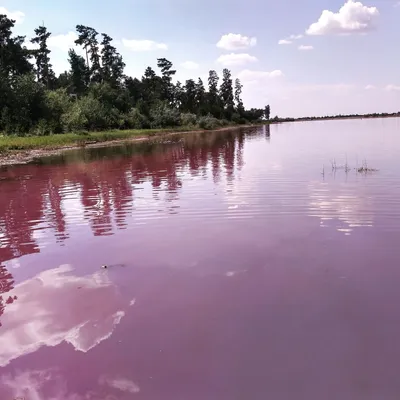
x,y
167,91
44,70
113,65
214,102
201,105
226,91
238,97
267,112
79,72
189,97
14,56
88,39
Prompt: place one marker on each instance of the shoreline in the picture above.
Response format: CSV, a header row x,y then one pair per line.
x,y
22,156
31,150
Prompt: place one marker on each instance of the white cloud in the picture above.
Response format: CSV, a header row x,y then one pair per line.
x,y
17,16
143,45
236,59
304,47
290,39
353,17
63,42
190,65
369,87
255,76
236,41
392,88
285,41
397,4
295,37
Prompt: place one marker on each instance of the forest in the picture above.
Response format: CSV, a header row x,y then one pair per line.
x,y
96,95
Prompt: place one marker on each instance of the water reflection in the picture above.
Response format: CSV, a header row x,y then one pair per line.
x,y
103,186
90,306
340,207
6,285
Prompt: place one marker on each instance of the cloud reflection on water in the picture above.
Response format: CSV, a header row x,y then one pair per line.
x,y
55,306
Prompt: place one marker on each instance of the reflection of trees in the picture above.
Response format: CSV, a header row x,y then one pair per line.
x,y
6,285
32,196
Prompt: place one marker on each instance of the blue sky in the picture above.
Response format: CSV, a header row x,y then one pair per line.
x,y
345,59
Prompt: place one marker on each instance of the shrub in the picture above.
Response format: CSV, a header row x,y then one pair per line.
x,y
163,116
188,119
90,114
58,102
134,120
209,122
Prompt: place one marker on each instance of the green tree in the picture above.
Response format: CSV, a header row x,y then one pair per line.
x,y
214,101
113,65
267,112
44,72
135,89
167,89
226,91
152,86
87,38
238,97
79,73
201,106
14,56
189,97
179,94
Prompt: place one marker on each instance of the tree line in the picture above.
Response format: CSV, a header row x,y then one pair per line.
x,y
95,94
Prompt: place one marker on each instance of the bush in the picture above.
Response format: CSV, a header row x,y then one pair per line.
x,y
209,122
188,119
58,103
163,116
134,120
42,128
90,114
23,105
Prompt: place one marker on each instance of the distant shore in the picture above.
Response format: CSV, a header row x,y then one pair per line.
x,y
333,117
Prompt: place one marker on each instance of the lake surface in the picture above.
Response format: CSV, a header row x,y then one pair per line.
x,y
236,268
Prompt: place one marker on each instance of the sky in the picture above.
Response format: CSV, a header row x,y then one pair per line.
x,y
308,57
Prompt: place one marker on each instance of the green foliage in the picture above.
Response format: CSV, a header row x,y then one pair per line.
x,y
94,94
163,116
24,107
134,120
188,119
209,122
58,103
44,70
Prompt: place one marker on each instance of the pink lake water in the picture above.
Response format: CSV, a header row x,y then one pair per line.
x,y
236,269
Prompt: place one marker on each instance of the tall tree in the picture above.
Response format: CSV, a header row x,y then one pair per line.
x,y
113,65
201,98
79,72
167,91
189,97
214,103
14,56
87,38
267,112
226,91
135,89
179,94
238,97
44,70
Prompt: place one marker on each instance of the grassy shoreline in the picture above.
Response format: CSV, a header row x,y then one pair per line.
x,y
53,142
23,149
